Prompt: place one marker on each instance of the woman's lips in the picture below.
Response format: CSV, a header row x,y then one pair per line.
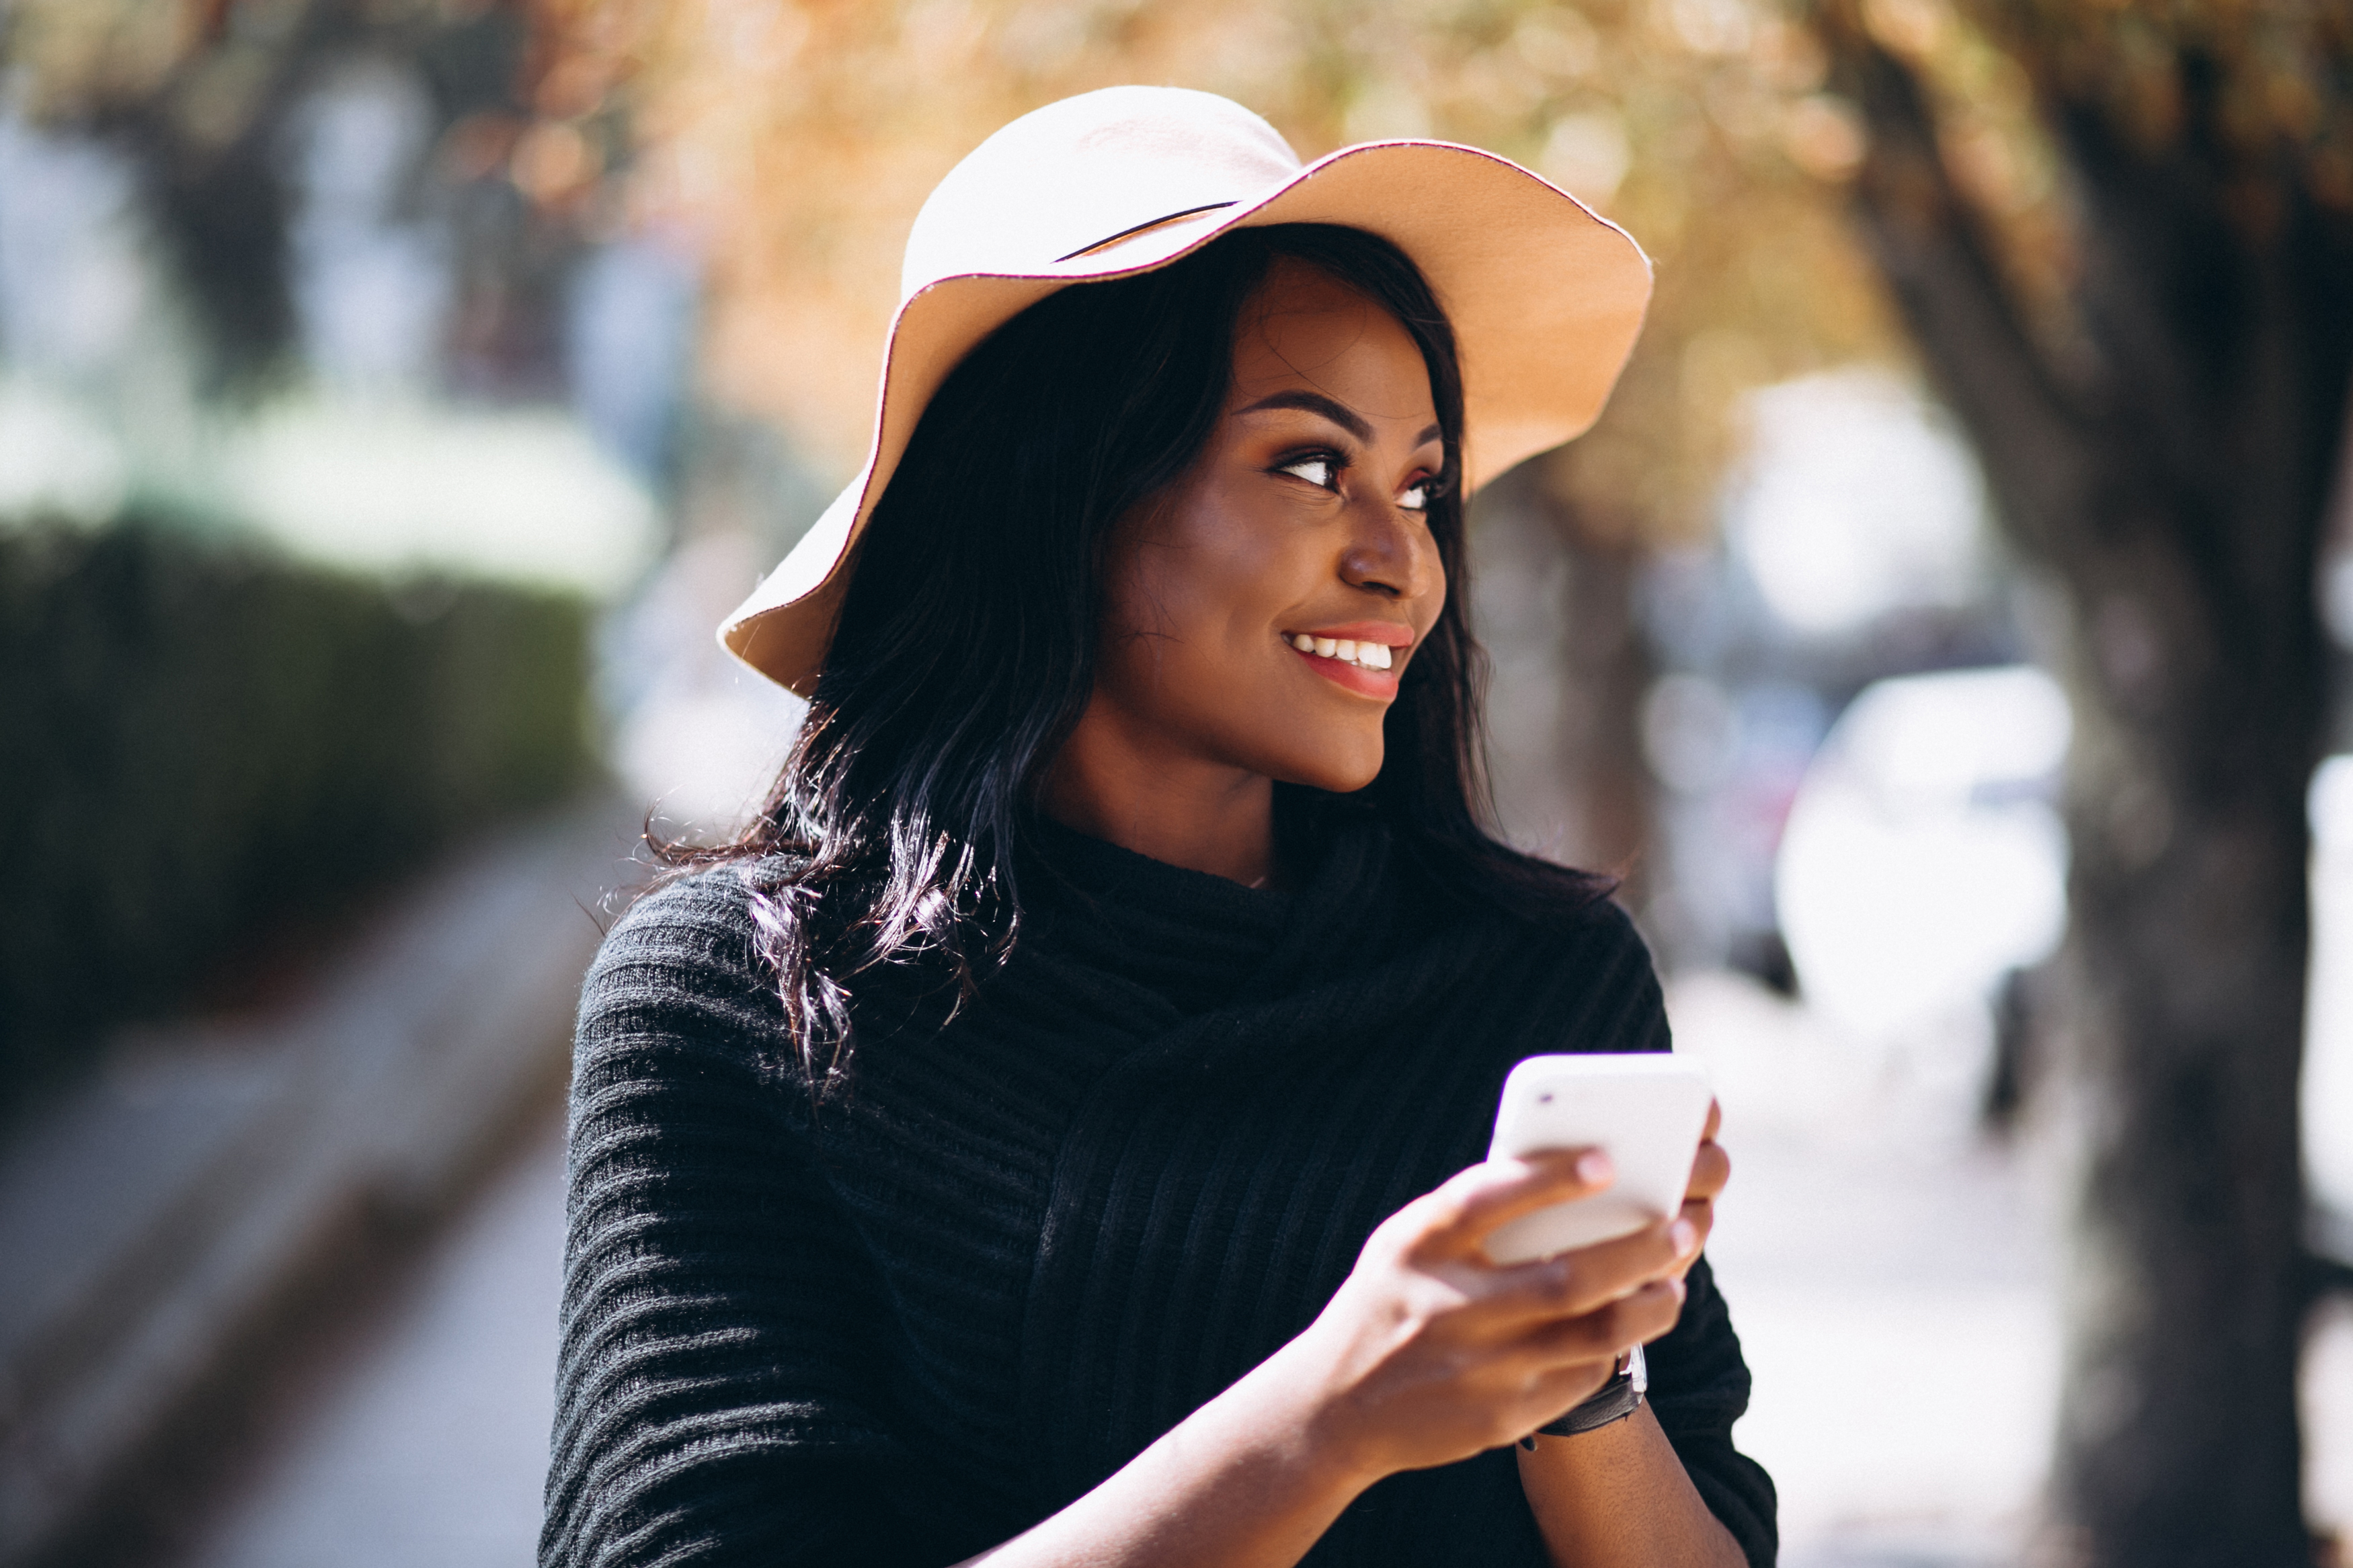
x,y
1362,655
1380,683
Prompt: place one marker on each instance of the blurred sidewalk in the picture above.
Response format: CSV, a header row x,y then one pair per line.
x,y
176,1222
426,1447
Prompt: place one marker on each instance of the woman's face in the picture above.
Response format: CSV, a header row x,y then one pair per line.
x,y
1260,611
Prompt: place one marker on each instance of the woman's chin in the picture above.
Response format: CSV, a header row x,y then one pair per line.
x,y
1336,774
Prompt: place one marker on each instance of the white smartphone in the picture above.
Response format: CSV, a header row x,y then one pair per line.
x,y
1646,1110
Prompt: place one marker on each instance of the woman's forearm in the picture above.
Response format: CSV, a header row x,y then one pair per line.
x,y
1246,1481
1619,1497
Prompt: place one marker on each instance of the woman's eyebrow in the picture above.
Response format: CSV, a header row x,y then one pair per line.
x,y
1338,413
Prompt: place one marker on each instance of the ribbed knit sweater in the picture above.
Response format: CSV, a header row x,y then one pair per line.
x,y
904,1323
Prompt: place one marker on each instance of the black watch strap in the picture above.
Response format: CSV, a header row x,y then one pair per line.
x,y
1613,1401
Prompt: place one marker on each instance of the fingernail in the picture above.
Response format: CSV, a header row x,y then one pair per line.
x,y
1684,1237
1593,1166
1681,1290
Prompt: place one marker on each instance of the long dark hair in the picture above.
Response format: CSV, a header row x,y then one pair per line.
x,y
966,649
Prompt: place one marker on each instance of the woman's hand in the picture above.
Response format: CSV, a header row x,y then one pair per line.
x,y
1427,1353
1430,1352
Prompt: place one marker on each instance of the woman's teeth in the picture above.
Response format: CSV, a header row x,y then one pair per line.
x,y
1363,655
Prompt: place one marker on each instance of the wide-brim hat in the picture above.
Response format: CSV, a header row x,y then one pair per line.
x,y
1546,296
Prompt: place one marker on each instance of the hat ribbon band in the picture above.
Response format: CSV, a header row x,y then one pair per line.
x,y
1141,229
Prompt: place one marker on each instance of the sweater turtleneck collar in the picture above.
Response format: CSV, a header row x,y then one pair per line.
x,y
1096,867
1199,940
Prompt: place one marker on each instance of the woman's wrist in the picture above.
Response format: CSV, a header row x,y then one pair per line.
x,y
1292,1404
1618,1496
1245,1480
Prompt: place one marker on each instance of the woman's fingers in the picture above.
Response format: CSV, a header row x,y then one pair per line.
x,y
1711,1172
1607,1331
1457,1218
1711,1169
1592,1277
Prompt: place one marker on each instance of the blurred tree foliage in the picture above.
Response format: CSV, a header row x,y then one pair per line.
x,y
202,744
2122,237
203,96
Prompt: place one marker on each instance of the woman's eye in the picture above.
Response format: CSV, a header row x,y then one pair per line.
x,y
1415,497
1320,471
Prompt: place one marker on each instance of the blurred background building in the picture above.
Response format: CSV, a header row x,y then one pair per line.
x,y
395,393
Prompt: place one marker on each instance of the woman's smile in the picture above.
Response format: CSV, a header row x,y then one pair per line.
x,y
1362,657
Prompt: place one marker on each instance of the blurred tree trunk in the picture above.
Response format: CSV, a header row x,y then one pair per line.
x,y
207,108
2174,481
1555,607
1605,669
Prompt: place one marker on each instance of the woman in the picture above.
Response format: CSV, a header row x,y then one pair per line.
x,y
1053,1134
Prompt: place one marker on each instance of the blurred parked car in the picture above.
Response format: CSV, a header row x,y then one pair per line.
x,y
1923,860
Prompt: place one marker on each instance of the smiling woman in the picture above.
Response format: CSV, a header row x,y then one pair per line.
x,y
1053,1133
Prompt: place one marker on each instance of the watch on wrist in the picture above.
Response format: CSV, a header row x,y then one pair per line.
x,y
1612,1402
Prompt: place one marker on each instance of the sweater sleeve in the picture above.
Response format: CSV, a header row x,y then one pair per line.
x,y
717,1393
1699,1387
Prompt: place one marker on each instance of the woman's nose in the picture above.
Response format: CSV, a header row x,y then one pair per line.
x,y
1388,553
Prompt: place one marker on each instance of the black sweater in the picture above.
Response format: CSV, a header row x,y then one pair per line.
x,y
907,1324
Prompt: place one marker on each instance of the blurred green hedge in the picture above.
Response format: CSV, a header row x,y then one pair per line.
x,y
200,740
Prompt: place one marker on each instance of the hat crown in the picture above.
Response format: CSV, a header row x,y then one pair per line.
x,y
1074,173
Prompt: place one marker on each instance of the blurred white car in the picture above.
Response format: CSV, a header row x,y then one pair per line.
x,y
1924,858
